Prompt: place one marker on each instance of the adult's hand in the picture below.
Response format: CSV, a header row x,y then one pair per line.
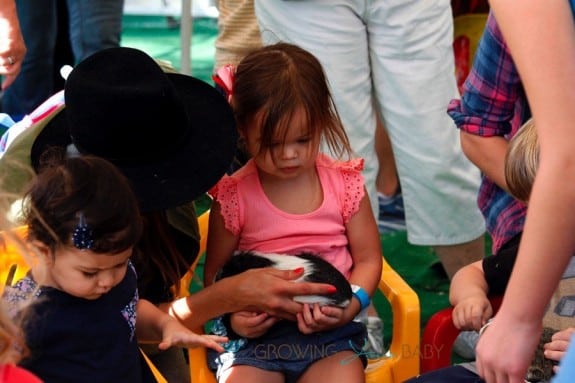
x,y
272,291
260,290
505,350
12,47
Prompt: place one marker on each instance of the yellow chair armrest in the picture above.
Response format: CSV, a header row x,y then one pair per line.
x,y
402,361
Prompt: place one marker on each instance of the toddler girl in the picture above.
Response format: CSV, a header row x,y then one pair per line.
x,y
292,198
79,303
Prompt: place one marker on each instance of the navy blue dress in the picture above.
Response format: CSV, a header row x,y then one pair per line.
x,y
72,339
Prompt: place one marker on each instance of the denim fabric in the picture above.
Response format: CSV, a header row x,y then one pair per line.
x,y
450,374
94,25
284,349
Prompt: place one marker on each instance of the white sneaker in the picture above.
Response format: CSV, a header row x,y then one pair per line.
x,y
374,345
465,343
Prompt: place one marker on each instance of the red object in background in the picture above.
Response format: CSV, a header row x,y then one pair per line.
x,y
462,59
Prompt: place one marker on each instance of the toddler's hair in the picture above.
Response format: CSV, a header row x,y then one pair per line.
x,y
274,82
522,161
88,189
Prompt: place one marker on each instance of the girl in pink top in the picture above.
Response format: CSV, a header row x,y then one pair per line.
x,y
291,198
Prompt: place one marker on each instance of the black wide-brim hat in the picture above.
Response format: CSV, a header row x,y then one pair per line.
x,y
173,136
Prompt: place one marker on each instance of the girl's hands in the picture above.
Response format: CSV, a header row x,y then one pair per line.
x,y
249,324
555,350
175,334
314,318
472,313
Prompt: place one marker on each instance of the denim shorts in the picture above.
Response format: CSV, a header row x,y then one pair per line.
x,y
285,349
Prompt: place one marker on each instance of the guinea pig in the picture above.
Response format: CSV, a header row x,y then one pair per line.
x,y
315,268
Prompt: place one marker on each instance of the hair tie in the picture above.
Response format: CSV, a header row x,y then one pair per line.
x,y
82,238
224,77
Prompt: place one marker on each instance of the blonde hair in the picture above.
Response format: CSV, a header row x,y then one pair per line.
x,y
522,161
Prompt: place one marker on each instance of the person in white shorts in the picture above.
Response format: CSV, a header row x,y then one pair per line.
x,y
400,53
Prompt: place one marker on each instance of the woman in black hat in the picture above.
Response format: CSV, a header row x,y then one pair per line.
x,y
173,136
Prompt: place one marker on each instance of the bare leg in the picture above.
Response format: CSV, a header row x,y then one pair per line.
x,y
391,216
242,373
344,367
387,181
454,257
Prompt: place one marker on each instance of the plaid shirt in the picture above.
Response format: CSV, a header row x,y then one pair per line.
x,y
493,104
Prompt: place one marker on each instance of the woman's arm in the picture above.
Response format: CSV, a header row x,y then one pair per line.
x,y
541,37
244,292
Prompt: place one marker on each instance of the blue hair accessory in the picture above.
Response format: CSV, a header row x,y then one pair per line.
x,y
82,238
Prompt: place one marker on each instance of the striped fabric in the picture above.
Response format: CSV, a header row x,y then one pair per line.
x,y
238,31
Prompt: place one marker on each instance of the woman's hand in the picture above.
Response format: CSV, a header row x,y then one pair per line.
x,y
12,47
249,324
272,291
260,290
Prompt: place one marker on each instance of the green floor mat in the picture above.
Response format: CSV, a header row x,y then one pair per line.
x,y
155,36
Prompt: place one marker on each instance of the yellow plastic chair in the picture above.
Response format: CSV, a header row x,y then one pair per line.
x,y
12,265
402,360
401,363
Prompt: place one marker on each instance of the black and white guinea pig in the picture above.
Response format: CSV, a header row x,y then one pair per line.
x,y
315,268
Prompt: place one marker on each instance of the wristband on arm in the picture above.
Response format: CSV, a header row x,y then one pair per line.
x,y
361,295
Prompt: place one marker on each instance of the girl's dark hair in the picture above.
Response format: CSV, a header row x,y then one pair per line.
x,y
272,83
89,188
160,259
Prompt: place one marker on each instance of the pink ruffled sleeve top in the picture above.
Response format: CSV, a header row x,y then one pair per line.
x,y
247,212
